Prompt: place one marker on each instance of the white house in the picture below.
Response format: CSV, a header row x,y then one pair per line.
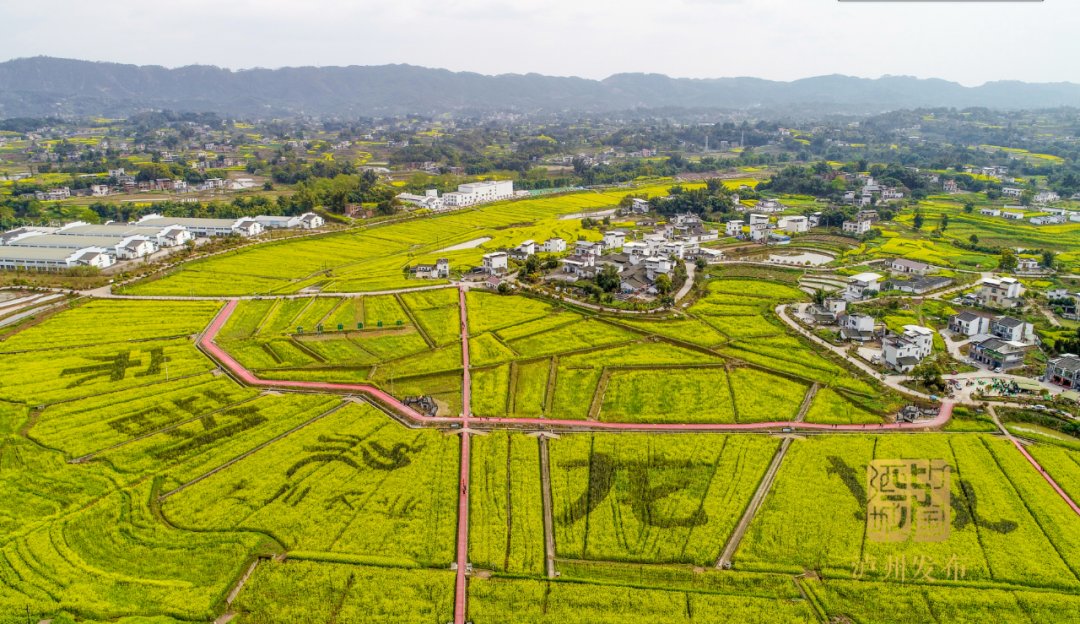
x,y
734,228
1013,330
135,247
999,292
639,206
990,212
1009,191
1046,197
311,221
857,326
856,228
527,248
1012,214
912,267
969,324
554,245
614,239
794,225
861,285
495,262
588,248
905,350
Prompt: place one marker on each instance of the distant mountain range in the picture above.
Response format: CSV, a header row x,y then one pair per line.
x,y
50,86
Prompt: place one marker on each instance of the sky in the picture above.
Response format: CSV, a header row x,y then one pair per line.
x,y
967,42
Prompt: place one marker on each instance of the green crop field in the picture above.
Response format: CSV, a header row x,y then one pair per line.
x,y
140,481
1007,525
631,497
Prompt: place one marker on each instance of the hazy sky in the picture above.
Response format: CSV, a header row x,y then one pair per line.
x,y
779,39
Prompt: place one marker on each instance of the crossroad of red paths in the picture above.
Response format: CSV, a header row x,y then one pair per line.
x,y
466,419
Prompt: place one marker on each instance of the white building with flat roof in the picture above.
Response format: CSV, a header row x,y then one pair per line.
x,y
475,193
495,262
859,286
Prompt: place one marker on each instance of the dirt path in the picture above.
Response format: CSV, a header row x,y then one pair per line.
x,y
725,560
549,522
807,401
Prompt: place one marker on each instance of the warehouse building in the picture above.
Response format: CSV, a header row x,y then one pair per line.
x,y
52,258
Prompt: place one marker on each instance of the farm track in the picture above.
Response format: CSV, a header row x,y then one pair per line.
x,y
549,520
752,507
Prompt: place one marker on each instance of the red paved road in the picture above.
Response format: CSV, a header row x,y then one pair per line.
x,y
207,343
460,589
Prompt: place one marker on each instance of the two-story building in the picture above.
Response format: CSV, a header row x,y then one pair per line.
x,y
1000,292
862,285
1064,370
905,350
969,324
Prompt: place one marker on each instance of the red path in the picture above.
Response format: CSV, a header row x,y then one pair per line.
x,y
209,346
460,591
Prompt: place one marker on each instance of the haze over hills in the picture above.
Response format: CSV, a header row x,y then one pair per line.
x,y
43,86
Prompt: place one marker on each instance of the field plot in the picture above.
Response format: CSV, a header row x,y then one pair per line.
x,y
352,483
112,558
629,497
95,423
310,591
102,322
1007,525
506,531
1063,465
499,600
87,371
897,603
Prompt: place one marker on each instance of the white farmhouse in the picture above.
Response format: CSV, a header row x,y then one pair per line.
x,y
861,285
495,262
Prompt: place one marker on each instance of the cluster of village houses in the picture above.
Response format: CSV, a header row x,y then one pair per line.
x,y
84,244
638,262
126,184
1054,216
997,342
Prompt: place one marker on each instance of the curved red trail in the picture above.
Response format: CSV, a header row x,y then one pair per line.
x,y
466,419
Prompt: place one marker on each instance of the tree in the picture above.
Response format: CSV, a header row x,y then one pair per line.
x,y
918,222
1048,259
701,264
1008,260
928,372
504,288
663,284
819,296
608,279
944,222
974,239
532,265
969,206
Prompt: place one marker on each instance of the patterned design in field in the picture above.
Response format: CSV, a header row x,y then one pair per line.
x,y
1007,524
352,482
629,497
324,591
506,530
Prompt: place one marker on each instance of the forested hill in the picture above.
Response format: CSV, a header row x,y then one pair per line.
x,y
48,86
